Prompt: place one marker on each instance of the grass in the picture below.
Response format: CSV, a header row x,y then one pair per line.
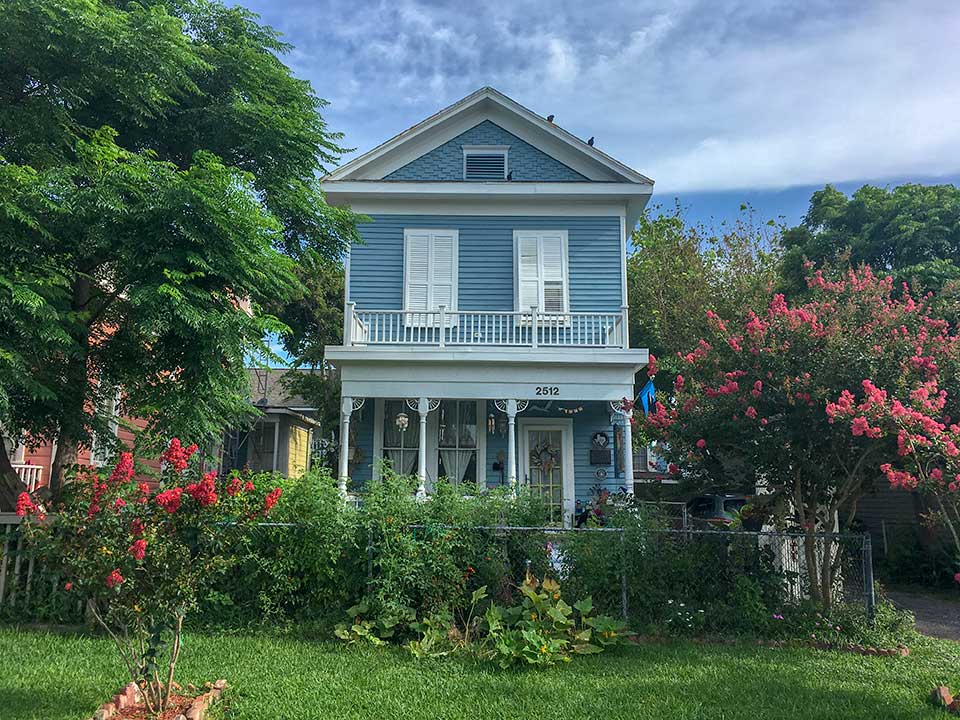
x,y
64,677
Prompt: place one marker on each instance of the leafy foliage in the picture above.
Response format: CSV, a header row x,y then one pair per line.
x,y
911,231
155,199
752,403
140,556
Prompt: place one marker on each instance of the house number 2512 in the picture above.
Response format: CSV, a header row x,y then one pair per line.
x,y
548,390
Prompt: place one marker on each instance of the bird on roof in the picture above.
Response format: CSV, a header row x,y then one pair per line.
x,y
549,118
590,141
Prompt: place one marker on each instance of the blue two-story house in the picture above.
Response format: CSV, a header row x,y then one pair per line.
x,y
485,325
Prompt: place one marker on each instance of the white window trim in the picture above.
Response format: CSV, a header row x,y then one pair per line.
x,y
433,431
487,150
454,291
566,270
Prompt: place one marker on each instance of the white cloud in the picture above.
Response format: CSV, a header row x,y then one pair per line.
x,y
698,94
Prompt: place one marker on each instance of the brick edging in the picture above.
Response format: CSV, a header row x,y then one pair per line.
x,y
130,695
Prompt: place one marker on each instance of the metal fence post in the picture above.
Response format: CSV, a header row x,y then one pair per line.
x,y
623,575
871,599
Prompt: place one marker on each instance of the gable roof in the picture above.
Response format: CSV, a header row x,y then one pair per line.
x,y
486,104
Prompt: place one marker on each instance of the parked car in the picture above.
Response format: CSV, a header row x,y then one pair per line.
x,y
720,512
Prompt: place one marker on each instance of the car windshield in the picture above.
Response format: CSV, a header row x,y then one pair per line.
x,y
733,505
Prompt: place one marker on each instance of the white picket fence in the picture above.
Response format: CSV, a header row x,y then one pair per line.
x,y
13,579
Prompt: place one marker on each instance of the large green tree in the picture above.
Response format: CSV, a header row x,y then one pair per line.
x,y
159,170
677,271
910,231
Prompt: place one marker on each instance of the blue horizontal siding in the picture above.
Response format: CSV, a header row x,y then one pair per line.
x,y
445,163
486,275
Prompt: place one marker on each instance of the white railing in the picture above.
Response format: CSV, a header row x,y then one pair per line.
x,y
30,475
444,327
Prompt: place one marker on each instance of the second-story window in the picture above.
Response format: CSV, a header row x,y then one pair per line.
x,y
429,274
540,259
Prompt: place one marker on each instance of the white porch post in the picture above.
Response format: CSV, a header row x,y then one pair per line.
x,y
423,408
512,445
346,409
628,446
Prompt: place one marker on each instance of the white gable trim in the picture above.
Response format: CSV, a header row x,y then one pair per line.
x,y
486,103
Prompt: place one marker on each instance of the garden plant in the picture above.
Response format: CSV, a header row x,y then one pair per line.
x,y
139,553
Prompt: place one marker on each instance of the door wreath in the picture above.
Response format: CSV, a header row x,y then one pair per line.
x,y
544,456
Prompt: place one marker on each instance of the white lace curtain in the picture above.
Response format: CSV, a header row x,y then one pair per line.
x,y
456,462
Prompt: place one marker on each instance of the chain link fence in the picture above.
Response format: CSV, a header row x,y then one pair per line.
x,y
640,573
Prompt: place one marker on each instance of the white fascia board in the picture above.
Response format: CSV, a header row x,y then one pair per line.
x,y
487,103
499,206
348,190
445,377
491,198
635,357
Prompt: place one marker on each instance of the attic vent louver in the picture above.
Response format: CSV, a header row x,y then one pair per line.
x,y
485,162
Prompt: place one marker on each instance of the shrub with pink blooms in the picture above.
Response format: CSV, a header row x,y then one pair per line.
x,y
814,402
141,554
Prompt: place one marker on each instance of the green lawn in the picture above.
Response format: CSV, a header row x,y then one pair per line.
x,y
54,677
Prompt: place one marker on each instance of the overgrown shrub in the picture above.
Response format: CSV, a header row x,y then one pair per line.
x,y
302,568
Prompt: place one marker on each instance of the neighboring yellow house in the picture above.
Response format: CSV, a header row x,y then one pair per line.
x,y
281,439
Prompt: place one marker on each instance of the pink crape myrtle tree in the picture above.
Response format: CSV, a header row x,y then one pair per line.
x,y
919,417
139,554
771,400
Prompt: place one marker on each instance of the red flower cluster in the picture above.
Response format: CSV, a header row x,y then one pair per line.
x,y
136,527
652,365
114,579
204,492
177,456
123,470
234,486
25,506
138,549
169,500
271,499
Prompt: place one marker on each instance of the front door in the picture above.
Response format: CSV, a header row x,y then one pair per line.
x,y
546,457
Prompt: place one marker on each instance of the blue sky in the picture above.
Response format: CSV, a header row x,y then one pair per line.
x,y
720,101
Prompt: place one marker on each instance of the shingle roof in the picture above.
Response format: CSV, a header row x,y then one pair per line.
x,y
267,389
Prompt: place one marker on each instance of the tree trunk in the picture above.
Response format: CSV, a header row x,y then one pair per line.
x,y
10,484
73,418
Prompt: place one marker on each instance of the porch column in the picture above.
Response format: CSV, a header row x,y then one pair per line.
x,y
622,409
423,409
628,446
512,445
346,409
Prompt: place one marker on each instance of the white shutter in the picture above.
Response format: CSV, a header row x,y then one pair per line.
x,y
429,273
541,258
528,263
416,271
554,280
444,271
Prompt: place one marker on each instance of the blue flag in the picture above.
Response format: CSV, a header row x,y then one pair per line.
x,y
648,396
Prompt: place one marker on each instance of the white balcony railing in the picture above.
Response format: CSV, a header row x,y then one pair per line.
x,y
30,475
442,328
